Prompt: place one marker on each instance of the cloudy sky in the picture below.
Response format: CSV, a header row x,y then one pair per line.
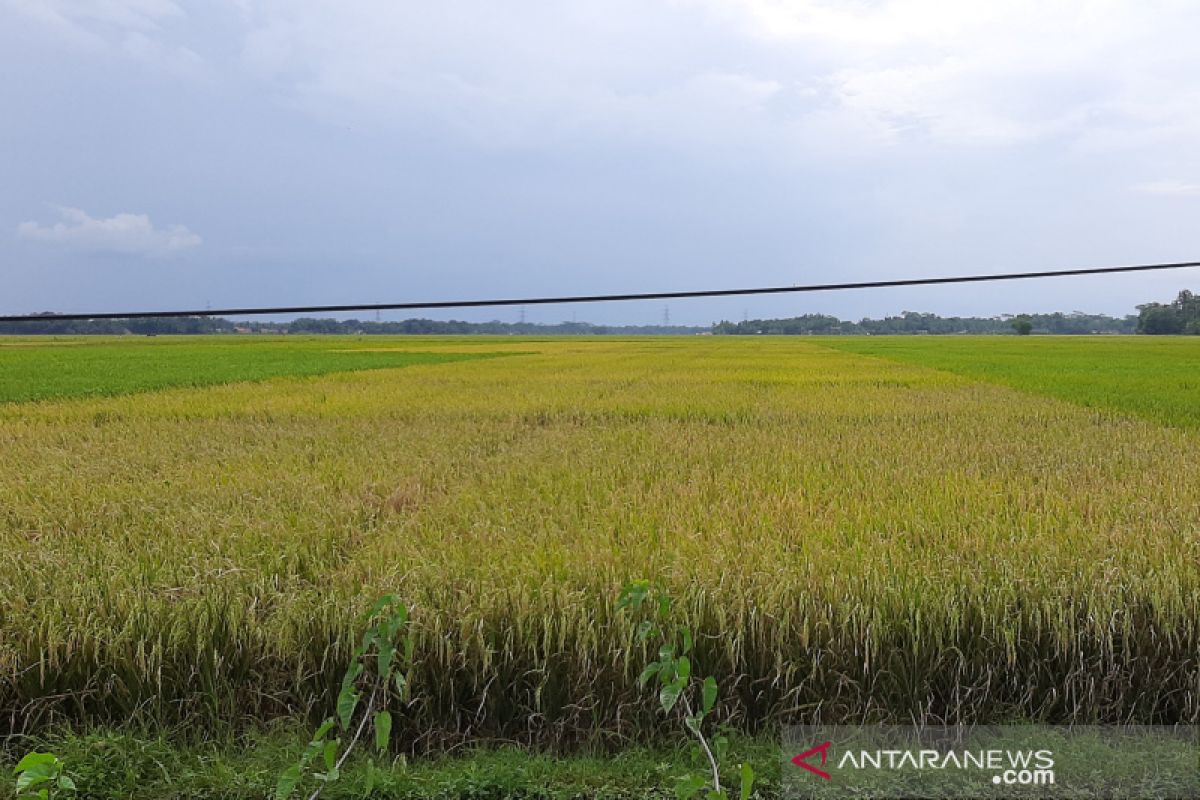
x,y
158,154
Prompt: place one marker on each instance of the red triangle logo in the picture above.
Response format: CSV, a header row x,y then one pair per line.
x,y
802,760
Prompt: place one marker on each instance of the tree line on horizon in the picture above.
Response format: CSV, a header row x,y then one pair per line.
x,y
173,326
1180,317
916,323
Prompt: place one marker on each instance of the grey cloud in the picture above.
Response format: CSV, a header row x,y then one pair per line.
x,y
381,150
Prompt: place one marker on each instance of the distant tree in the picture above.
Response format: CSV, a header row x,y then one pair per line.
x,y
1023,325
1179,317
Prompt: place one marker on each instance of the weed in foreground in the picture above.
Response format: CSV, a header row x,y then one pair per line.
x,y
673,672
379,666
40,776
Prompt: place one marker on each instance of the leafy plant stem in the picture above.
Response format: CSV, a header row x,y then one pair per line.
x,y
362,726
712,760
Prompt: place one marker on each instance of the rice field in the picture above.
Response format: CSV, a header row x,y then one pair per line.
x,y
33,369
1154,377
853,537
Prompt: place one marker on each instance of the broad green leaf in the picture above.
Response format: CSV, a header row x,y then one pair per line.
x,y
683,667
288,780
347,702
400,616
647,674
330,753
33,759
35,775
633,595
65,783
368,638
384,663
713,794
352,673
687,639
328,777
693,723
688,786
668,696
709,694
747,781
383,730
644,630
408,650
379,605
667,651
323,731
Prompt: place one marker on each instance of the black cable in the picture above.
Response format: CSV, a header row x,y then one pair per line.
x,y
597,298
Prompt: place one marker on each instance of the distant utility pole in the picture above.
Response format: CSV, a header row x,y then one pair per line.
x,y
522,315
666,316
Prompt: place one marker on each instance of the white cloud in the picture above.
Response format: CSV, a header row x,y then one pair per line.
x,y
85,19
1169,188
127,234
973,74
140,30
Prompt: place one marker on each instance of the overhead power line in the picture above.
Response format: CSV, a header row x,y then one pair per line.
x,y
597,298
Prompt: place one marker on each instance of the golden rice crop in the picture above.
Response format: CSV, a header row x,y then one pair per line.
x,y
852,539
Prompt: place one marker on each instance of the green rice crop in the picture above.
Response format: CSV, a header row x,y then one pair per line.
x,y
1155,377
35,369
852,538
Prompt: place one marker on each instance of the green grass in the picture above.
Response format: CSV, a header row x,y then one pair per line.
x,y
138,765
1154,377
39,369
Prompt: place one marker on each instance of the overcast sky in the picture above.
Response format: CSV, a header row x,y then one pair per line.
x,y
156,154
